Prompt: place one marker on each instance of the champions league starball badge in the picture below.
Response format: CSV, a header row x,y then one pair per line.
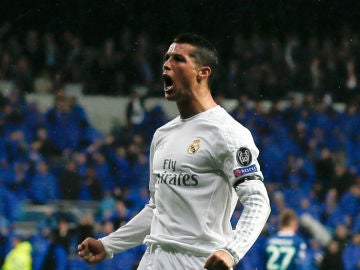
x,y
243,156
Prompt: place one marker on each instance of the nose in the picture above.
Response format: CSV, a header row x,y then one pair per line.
x,y
166,65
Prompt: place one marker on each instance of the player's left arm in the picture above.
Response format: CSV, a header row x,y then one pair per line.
x,y
240,163
254,198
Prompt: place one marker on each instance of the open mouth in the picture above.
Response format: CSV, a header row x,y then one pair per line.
x,y
168,82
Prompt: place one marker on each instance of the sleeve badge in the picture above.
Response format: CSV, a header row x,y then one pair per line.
x,y
243,156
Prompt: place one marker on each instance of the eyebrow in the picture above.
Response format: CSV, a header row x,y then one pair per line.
x,y
191,55
174,54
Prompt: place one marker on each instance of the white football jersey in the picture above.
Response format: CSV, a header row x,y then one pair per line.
x,y
198,168
195,164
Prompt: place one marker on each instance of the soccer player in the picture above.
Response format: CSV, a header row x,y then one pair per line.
x,y
287,250
201,163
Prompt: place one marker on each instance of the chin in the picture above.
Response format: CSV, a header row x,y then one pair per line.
x,y
169,97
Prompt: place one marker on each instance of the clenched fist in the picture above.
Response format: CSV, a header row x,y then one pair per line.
x,y
92,250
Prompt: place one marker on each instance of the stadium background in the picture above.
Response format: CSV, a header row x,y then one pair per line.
x,y
310,139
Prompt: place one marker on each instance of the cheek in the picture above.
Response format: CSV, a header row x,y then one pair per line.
x,y
187,76
187,81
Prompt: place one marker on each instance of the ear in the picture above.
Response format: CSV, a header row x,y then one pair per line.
x,y
203,73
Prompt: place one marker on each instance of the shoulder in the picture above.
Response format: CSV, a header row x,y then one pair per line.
x,y
169,125
166,128
232,131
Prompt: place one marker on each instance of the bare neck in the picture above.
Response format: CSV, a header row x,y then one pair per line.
x,y
196,104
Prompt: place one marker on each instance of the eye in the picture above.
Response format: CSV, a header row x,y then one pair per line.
x,y
179,58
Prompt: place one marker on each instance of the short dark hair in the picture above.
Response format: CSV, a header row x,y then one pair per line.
x,y
205,53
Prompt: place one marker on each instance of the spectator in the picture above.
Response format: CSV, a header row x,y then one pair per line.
x,y
20,255
70,182
140,172
102,170
40,242
332,258
23,75
17,146
92,188
324,171
43,185
86,227
351,254
233,79
55,257
107,204
20,180
316,253
120,165
308,206
6,66
82,162
52,53
121,214
42,147
108,62
317,76
9,204
350,202
135,112
343,180
67,124
351,81
4,233
341,235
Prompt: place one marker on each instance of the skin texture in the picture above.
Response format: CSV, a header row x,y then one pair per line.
x,y
219,260
91,250
190,90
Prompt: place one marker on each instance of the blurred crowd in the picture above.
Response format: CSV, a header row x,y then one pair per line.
x,y
260,67
310,149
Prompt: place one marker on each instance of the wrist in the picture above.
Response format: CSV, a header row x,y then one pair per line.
x,y
109,254
227,251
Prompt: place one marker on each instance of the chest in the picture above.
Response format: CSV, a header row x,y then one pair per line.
x,y
181,152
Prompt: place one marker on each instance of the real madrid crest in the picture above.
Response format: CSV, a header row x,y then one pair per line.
x,y
194,147
243,156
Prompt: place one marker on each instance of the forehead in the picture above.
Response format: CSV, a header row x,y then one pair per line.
x,y
180,48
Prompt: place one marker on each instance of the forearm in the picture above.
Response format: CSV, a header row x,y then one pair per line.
x,y
130,235
254,198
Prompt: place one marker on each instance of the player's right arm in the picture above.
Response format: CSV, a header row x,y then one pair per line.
x,y
133,233
130,235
